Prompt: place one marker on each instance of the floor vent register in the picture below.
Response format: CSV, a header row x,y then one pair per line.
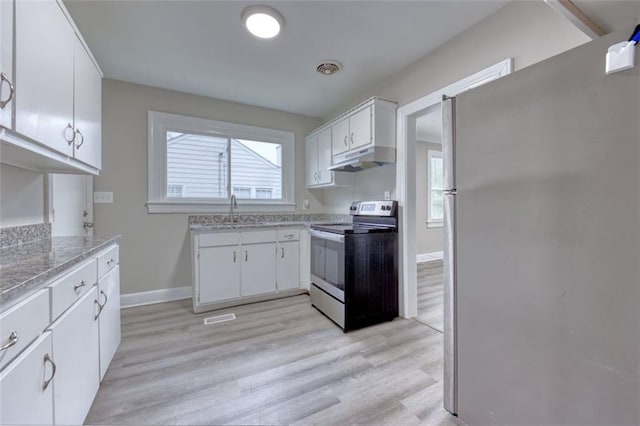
x,y
219,319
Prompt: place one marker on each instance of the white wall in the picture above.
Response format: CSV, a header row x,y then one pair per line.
x,y
155,247
428,240
528,31
22,195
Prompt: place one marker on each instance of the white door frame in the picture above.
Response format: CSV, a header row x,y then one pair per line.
x,y
406,175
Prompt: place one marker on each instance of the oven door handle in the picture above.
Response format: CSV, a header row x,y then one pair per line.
x,y
327,236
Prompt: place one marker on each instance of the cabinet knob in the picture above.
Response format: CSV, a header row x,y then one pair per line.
x,y
48,359
82,283
66,133
13,339
79,133
4,79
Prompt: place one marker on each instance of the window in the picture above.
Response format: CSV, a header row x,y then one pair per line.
x,y
264,193
242,192
435,178
214,160
175,190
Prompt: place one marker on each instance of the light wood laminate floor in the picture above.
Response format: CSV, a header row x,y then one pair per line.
x,y
431,294
279,362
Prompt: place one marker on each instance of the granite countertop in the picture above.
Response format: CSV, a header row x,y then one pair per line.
x,y
265,225
27,267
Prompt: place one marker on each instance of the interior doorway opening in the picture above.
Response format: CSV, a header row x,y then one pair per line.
x,y
429,218
406,194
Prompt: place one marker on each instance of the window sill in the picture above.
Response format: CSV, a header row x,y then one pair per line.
x,y
438,224
200,207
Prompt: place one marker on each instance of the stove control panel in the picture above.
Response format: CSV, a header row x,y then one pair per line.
x,y
373,208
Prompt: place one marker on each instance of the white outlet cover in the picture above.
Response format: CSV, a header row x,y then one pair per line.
x,y
103,197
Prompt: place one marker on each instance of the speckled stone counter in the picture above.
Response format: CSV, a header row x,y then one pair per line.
x,y
262,221
26,267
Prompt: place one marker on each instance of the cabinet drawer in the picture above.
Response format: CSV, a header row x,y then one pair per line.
x,y
72,286
27,320
108,260
215,239
257,237
288,234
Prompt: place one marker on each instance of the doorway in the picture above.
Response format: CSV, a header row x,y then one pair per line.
x,y
429,218
406,194
70,205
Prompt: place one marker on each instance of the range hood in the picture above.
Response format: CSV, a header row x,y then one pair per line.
x,y
355,161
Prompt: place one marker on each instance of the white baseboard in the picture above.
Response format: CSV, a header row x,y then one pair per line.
x,y
155,296
429,257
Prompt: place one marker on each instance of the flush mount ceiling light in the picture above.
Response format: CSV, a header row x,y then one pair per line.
x,y
262,21
329,67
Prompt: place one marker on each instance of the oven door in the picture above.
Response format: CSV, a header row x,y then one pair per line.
x,y
327,262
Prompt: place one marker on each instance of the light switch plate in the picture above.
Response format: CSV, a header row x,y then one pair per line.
x,y
103,197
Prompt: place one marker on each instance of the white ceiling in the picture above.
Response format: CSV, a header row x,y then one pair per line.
x,y
611,15
200,47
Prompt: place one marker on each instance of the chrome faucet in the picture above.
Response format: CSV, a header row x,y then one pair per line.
x,y
232,204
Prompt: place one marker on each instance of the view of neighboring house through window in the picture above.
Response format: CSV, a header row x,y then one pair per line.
x,y
435,177
217,166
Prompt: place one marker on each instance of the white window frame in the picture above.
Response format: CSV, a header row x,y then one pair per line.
x,y
158,125
431,222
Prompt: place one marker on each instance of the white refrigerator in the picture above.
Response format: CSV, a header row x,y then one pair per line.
x,y
542,237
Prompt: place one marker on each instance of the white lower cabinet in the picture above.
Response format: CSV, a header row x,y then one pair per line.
x,y
219,273
288,265
109,318
76,353
234,267
258,269
26,387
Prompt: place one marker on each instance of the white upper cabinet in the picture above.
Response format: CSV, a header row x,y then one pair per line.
x,y
87,108
53,122
318,160
370,124
44,61
360,128
341,137
6,63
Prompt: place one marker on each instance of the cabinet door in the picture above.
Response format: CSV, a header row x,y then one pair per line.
x,y
87,108
325,176
360,129
44,62
76,353
258,269
109,318
288,265
311,160
340,142
219,273
24,398
6,61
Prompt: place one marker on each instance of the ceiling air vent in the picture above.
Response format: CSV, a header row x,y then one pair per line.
x,y
329,67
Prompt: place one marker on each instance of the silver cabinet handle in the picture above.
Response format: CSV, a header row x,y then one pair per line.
x,y
5,79
109,262
282,255
48,359
13,339
351,137
106,298
246,256
79,133
234,256
100,308
345,141
66,132
81,284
